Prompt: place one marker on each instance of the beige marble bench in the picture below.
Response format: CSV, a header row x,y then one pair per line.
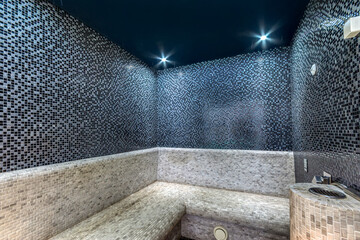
x,y
154,211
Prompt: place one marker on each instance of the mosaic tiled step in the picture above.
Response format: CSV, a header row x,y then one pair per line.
x,y
152,212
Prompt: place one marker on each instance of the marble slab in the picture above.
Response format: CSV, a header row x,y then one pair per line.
x,y
38,203
264,172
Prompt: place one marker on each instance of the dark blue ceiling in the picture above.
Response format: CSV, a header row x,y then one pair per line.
x,y
189,30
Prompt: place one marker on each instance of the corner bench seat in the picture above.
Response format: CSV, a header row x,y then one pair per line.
x,y
152,212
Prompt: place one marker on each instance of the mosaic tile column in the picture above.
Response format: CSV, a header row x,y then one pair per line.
x,y
314,217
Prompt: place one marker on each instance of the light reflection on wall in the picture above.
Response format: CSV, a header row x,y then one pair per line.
x,y
241,102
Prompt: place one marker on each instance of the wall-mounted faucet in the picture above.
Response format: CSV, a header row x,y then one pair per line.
x,y
321,180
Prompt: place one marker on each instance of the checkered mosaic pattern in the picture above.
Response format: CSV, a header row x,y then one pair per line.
x,y
240,102
326,107
66,92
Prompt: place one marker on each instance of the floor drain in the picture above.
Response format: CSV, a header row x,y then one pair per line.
x,y
327,193
220,233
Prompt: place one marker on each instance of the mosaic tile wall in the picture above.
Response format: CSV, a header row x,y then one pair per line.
x,y
326,107
240,102
239,170
66,92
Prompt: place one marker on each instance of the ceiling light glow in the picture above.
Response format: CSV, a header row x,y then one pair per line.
x,y
263,37
163,59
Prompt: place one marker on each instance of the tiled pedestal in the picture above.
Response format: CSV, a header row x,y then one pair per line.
x,y
316,217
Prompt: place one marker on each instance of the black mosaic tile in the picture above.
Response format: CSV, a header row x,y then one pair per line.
x,y
241,102
66,92
326,106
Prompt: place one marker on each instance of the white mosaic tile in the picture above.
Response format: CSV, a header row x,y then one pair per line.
x,y
152,212
317,217
264,172
40,202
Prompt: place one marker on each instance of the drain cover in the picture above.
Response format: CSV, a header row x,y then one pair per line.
x,y
220,233
327,193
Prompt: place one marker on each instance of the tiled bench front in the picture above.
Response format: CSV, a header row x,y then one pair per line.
x,y
153,212
39,203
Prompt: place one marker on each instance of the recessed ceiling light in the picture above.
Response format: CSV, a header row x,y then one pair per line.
x,y
163,60
263,37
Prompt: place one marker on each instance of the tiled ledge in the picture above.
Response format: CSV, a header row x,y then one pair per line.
x,y
201,150
48,169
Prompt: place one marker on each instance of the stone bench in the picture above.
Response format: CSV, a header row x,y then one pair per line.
x,y
155,212
42,202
